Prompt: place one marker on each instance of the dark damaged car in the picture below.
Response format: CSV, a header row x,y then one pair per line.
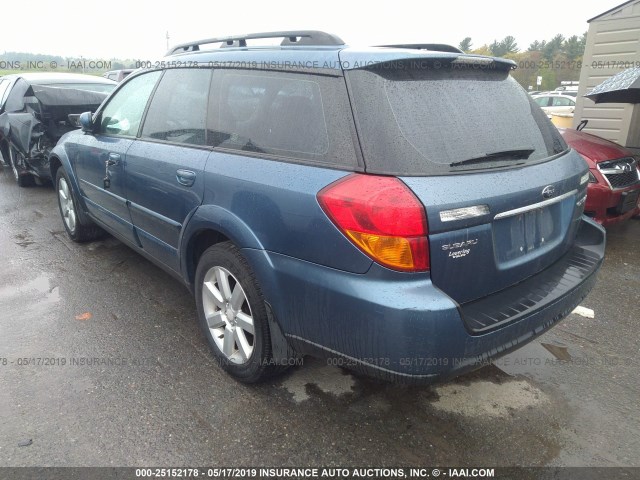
x,y
36,109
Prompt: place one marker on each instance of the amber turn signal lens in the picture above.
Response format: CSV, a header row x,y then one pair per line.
x,y
394,252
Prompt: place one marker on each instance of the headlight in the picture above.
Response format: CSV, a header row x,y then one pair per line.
x,y
592,178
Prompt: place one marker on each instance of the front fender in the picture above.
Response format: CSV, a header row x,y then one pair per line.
x,y
58,158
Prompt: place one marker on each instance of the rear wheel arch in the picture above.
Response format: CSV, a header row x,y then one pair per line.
x,y
199,242
266,350
234,316
202,241
209,225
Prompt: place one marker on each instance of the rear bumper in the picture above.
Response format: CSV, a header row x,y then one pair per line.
x,y
400,327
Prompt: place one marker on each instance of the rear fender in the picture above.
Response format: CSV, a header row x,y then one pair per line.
x,y
217,219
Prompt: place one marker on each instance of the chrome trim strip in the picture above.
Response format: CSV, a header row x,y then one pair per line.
x,y
535,206
464,213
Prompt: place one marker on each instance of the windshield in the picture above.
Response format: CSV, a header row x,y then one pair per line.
x,y
430,120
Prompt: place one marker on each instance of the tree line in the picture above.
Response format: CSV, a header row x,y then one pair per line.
x,y
556,60
18,62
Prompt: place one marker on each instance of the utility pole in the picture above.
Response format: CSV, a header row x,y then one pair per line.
x,y
167,39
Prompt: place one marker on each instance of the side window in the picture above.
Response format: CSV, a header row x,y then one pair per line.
x,y
273,114
562,102
294,115
542,101
123,114
178,110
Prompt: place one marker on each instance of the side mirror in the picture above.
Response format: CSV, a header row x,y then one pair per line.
x,y
86,122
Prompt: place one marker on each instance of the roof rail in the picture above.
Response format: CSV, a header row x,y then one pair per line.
x,y
436,47
301,37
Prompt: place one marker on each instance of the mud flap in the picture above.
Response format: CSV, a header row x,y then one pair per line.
x,y
281,351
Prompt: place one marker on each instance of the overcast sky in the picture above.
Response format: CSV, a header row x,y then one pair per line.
x,y
137,29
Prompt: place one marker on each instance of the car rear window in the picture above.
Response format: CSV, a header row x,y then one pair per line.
x,y
418,121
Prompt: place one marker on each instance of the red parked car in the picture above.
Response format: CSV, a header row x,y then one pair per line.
x,y
614,177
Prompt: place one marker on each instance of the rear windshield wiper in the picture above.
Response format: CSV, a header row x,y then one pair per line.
x,y
515,154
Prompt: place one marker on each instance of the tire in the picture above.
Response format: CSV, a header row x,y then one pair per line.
x,y
16,162
232,314
68,204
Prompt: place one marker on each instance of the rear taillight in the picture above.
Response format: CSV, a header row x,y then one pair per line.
x,y
382,217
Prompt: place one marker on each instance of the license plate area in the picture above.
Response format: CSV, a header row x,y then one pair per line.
x,y
521,235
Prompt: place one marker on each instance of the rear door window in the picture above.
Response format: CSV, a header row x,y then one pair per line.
x,y
178,110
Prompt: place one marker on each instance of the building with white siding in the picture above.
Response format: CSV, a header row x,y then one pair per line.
x,y
613,45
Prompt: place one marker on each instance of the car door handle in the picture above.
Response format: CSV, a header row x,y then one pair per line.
x,y
186,177
114,159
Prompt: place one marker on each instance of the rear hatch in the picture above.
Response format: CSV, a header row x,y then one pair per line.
x,y
502,191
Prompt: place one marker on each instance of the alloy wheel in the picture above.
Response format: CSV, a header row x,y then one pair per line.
x,y
228,315
66,205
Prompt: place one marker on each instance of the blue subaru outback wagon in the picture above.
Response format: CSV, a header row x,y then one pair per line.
x,y
407,211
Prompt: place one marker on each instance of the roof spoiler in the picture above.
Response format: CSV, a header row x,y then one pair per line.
x,y
434,47
289,38
436,59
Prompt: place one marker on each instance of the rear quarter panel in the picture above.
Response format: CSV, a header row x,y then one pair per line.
x,y
276,201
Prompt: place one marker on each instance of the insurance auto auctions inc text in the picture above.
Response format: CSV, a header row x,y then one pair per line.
x,y
342,473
